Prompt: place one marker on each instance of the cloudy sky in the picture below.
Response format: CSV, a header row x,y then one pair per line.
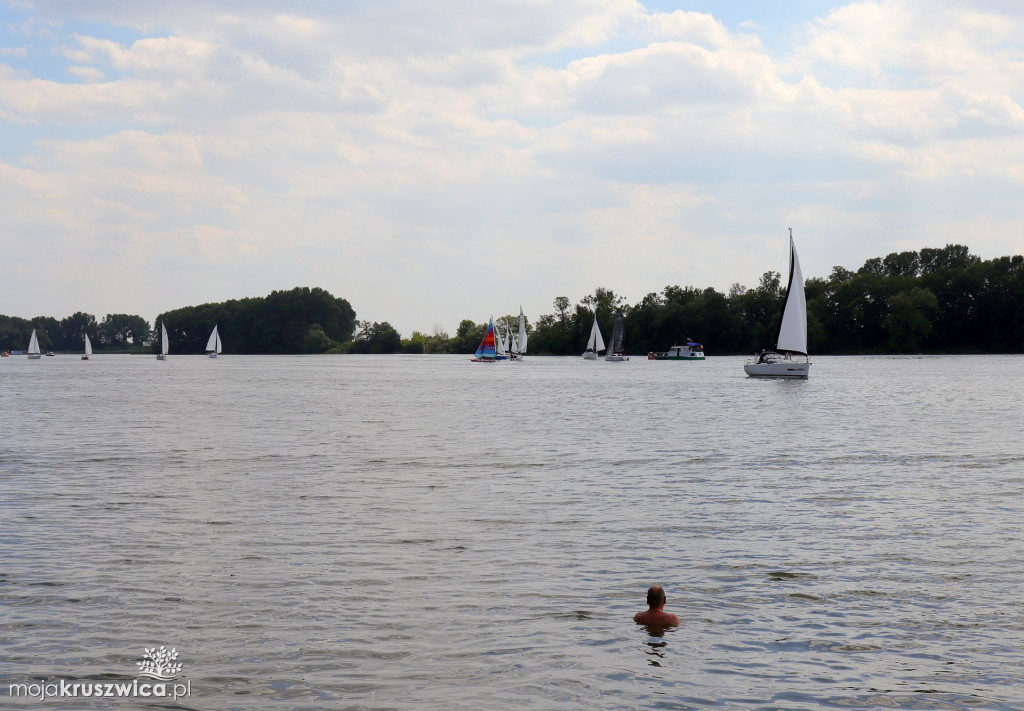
x,y
440,160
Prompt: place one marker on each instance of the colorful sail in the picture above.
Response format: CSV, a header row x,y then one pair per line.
x,y
486,348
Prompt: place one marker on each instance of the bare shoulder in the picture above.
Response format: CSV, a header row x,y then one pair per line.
x,y
660,619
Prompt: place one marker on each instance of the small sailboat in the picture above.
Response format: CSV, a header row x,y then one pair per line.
x,y
88,348
162,355
792,339
615,353
522,335
596,342
33,347
500,345
213,345
487,352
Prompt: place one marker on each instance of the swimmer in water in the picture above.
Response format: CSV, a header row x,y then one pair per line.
x,y
655,615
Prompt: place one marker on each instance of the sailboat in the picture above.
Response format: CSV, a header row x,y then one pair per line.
x,y
615,353
792,339
500,344
213,345
33,347
88,347
517,349
522,334
162,355
486,351
596,342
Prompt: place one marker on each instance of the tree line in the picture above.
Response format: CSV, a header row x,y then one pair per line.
x,y
933,300
116,332
302,320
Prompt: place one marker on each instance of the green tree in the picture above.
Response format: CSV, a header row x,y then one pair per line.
x,y
120,330
278,323
416,343
316,340
468,336
909,319
901,264
376,338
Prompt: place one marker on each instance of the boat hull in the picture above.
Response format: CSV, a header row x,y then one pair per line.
x,y
161,356
590,355
35,356
778,369
661,357
616,358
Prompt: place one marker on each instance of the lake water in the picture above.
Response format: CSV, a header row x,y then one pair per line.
x,y
376,532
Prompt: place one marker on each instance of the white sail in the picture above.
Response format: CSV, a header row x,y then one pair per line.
x,y
33,344
499,342
163,340
793,329
522,331
213,345
596,342
88,345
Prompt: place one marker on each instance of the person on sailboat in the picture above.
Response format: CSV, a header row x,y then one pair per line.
x,y
655,614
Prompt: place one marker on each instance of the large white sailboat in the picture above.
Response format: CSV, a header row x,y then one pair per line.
x,y
615,352
213,345
519,341
596,342
792,339
88,347
164,345
33,347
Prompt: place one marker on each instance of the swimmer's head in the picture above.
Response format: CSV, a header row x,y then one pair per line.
x,y
655,596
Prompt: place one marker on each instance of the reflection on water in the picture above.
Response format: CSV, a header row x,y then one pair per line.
x,y
655,645
374,532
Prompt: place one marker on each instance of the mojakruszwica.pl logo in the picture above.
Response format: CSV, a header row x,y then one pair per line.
x,y
161,664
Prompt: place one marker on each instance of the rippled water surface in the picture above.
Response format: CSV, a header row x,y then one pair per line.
x,y
335,532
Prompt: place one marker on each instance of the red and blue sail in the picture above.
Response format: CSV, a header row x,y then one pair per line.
x,y
486,350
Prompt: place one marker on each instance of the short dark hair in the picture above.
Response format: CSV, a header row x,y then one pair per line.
x,y
655,596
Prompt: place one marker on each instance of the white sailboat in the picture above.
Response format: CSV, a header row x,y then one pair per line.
x,y
213,345
522,333
500,344
596,342
162,355
88,347
33,347
615,353
792,339
518,347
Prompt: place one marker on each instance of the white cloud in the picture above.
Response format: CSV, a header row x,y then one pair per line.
x,y
87,74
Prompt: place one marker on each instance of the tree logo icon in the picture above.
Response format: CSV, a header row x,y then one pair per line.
x,y
160,664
